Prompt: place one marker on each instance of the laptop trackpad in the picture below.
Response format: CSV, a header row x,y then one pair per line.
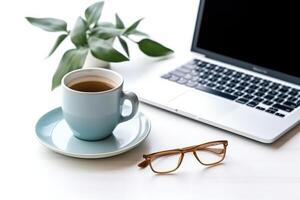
x,y
203,105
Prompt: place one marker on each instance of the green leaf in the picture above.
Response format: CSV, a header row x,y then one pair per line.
x,y
48,24
131,28
139,33
57,43
124,45
93,12
78,34
103,50
154,49
106,32
73,59
119,23
105,24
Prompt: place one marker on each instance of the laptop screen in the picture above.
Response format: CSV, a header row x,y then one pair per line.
x,y
259,35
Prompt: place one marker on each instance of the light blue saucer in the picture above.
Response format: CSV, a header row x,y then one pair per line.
x,y
53,132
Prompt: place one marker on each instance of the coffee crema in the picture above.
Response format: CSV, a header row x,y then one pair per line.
x,y
91,86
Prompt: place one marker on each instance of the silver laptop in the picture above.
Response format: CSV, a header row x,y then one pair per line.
x,y
244,76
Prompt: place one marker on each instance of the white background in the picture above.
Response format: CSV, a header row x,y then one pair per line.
x,y
30,171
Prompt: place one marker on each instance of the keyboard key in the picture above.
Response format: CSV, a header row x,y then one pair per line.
x,y
270,111
173,78
230,85
238,93
221,82
229,91
220,87
252,103
255,80
246,78
278,100
292,99
274,86
211,85
268,103
259,94
272,93
282,107
202,82
235,81
283,90
213,79
166,76
269,97
274,109
182,81
259,108
263,89
290,104
248,96
244,84
188,76
279,114
226,78
178,73
257,99
283,96
191,84
293,93
240,88
228,73
265,83
253,87
218,93
242,100
250,91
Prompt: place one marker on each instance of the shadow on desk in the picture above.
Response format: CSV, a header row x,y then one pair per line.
x,y
286,137
125,160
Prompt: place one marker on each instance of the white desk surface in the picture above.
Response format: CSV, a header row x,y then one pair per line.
x,y
30,171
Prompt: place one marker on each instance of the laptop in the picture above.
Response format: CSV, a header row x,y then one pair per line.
x,y
243,77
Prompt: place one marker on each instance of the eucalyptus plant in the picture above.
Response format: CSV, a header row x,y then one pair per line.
x,y
90,34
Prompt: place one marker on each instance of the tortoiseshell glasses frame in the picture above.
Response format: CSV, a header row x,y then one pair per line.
x,y
216,148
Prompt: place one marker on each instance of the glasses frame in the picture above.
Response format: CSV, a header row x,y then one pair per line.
x,y
150,157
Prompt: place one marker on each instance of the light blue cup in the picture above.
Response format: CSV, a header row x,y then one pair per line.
x,y
94,115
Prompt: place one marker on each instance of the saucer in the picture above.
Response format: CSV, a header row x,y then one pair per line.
x,y
53,132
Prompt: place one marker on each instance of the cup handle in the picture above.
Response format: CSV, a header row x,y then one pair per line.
x,y
132,97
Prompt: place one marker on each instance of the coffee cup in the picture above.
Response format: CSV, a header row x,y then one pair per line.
x,y
92,101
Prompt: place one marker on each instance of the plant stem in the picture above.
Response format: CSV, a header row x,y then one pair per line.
x,y
130,39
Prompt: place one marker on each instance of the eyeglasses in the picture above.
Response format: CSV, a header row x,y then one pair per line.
x,y
210,153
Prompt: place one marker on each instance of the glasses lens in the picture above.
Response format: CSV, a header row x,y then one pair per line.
x,y
166,161
211,153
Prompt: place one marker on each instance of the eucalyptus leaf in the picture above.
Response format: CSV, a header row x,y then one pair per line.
x,y
124,45
93,12
72,59
119,23
139,33
78,34
103,50
131,28
48,24
57,43
153,48
105,24
106,32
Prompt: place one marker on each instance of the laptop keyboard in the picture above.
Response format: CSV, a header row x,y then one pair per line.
x,y
264,95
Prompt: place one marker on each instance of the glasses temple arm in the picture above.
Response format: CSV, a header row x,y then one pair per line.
x,y
144,163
